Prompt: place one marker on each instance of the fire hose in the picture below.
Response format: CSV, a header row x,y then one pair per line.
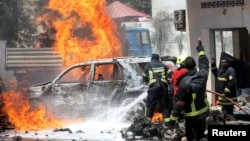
x,y
229,99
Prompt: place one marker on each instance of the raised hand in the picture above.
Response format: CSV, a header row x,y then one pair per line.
x,y
199,41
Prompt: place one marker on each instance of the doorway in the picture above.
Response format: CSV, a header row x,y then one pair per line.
x,y
232,41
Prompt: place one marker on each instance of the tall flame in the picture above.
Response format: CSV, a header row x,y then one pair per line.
x,y
99,41
25,117
100,31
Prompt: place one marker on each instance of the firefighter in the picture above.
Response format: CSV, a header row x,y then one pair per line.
x,y
156,75
226,85
179,72
191,97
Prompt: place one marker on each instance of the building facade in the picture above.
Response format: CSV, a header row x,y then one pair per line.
x,y
223,25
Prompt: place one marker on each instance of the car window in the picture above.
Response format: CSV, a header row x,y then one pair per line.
x,y
109,71
78,74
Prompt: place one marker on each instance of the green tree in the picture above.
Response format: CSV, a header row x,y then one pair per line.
x,y
17,26
9,21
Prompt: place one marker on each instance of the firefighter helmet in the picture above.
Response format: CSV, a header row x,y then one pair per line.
x,y
181,59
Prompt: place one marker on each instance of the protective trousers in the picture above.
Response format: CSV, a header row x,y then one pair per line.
x,y
158,95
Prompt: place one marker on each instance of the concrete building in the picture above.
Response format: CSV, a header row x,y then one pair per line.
x,y
223,25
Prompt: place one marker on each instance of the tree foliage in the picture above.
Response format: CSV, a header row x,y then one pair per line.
x,y
17,18
9,20
17,21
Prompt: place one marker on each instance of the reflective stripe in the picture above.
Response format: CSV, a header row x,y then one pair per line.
x,y
201,53
225,103
166,119
152,81
223,99
194,112
169,70
192,104
191,114
173,118
222,78
157,70
227,90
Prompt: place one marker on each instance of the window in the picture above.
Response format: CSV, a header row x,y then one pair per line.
x,y
110,71
145,38
78,74
138,39
223,43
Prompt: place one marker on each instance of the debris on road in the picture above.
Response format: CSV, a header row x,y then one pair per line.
x,y
142,129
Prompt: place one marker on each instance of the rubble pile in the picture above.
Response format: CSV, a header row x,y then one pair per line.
x,y
141,128
216,117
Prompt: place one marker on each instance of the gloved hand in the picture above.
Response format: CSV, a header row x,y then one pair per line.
x,y
213,62
171,123
199,41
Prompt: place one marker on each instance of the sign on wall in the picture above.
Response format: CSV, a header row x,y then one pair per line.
x,y
217,4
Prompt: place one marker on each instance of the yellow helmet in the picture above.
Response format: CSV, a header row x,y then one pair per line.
x,y
181,59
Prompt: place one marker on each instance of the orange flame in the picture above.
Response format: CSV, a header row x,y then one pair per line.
x,y
157,117
25,117
101,40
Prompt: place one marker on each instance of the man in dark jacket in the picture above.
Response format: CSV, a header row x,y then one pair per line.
x,y
191,97
156,75
226,85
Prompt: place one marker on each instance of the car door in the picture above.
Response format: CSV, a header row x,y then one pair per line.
x,y
70,87
108,79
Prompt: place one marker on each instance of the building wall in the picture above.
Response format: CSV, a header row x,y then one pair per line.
x,y
200,20
6,75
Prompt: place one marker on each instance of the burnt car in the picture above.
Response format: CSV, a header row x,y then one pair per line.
x,y
94,86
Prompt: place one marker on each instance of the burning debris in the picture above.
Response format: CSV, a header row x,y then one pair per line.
x,y
216,118
23,116
62,130
141,128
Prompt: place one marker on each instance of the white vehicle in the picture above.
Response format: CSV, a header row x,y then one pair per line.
x,y
103,82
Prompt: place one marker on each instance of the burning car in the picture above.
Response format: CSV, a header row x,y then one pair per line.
x,y
93,86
